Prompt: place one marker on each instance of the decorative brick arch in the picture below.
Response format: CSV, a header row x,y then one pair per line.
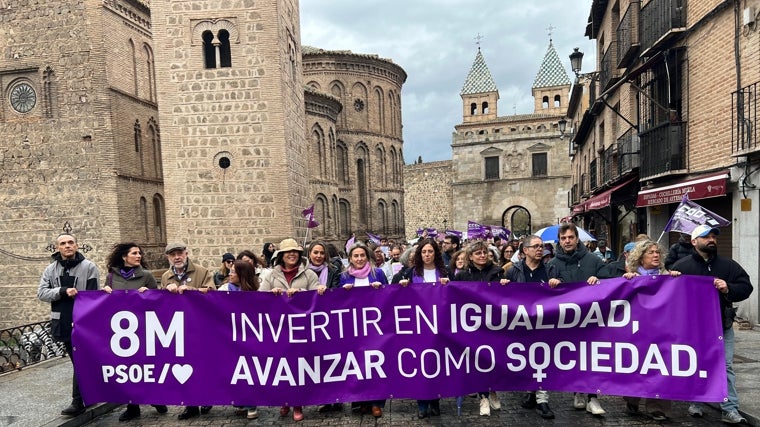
x,y
214,25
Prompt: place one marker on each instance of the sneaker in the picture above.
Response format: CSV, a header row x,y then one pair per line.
x,y
545,411
493,401
252,414
695,410
485,407
579,401
594,407
732,417
658,416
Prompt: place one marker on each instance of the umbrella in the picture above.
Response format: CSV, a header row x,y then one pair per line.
x,y
550,234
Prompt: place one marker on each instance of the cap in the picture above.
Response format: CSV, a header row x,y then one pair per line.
x,y
629,246
703,230
228,256
171,247
546,252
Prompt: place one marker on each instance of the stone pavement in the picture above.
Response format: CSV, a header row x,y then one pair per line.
x,y
36,395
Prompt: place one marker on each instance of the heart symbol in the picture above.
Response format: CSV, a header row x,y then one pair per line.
x,y
182,372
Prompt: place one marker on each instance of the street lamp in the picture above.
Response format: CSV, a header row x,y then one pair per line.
x,y
576,60
562,125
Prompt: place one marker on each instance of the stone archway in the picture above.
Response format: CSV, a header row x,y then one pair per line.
x,y
518,220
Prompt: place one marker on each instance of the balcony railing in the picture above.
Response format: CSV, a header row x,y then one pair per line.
x,y
610,159
608,73
584,184
26,345
628,35
744,120
574,196
592,181
660,21
628,151
663,149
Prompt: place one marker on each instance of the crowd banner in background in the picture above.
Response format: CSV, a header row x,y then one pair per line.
x,y
649,336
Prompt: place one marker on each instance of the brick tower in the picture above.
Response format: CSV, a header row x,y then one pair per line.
x,y
231,107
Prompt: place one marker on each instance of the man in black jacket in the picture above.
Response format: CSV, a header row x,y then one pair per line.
x,y
734,285
680,249
574,263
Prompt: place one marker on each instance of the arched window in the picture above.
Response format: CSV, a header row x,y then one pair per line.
x,y
380,167
209,50
473,109
485,107
342,163
345,217
557,100
321,214
133,52
395,218
159,219
151,68
545,102
382,216
155,144
225,50
361,180
144,217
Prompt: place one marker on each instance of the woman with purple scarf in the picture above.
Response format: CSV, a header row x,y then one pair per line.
x,y
645,259
361,273
428,267
128,271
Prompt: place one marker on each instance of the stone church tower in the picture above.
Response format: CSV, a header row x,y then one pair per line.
x,y
231,106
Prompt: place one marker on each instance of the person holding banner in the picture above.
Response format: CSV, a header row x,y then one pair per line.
x,y
458,263
290,275
327,273
242,277
480,268
428,267
573,262
69,273
733,284
531,269
127,270
361,273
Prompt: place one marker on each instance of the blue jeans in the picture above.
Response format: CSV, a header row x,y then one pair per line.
x,y
733,400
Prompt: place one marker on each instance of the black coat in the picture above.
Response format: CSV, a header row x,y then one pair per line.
x,y
681,249
490,273
739,285
577,266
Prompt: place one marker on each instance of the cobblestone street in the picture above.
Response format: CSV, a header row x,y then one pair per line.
x,y
404,413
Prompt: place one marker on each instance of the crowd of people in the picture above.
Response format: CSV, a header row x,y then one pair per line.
x,y
287,269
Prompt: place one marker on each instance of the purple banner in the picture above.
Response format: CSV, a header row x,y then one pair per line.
x,y
644,337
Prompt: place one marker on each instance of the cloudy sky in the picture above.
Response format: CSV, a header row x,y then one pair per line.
x,y
434,42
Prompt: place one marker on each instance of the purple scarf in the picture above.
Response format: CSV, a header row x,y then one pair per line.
x,y
127,274
649,271
321,271
360,273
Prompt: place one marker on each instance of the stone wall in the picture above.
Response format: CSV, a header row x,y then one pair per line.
x,y
428,197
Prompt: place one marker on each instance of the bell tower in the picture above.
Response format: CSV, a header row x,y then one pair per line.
x,y
231,109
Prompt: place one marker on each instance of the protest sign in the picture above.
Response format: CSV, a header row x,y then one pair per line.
x,y
650,337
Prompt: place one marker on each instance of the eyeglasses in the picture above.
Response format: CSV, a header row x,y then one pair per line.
x,y
536,246
229,261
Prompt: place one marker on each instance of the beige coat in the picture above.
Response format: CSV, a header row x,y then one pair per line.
x,y
305,279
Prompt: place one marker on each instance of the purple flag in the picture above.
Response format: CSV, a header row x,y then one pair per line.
x,y
374,238
350,242
476,231
454,233
639,337
689,215
501,232
309,214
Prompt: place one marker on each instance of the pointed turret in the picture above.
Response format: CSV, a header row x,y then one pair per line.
x,y
551,87
479,93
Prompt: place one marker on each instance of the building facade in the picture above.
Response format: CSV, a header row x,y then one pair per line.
x,y
183,120
670,111
511,171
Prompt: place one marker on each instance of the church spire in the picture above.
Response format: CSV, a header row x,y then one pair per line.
x,y
479,80
552,73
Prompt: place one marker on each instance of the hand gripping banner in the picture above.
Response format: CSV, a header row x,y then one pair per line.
x,y
649,337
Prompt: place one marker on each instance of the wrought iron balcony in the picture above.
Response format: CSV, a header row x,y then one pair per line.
x,y
661,21
628,35
610,161
592,181
574,196
663,149
608,73
744,121
584,190
628,148
26,345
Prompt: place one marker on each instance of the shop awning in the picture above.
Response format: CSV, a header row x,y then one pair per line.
x,y
703,187
601,200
